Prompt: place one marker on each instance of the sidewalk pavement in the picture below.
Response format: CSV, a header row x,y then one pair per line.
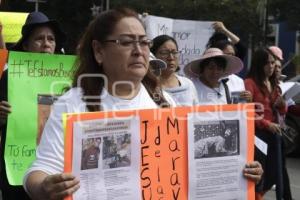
x,y
293,165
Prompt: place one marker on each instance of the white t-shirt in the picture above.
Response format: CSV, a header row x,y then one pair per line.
x,y
209,96
235,83
212,96
50,152
185,94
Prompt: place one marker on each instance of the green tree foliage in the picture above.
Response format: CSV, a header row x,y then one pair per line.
x,y
240,16
243,17
286,10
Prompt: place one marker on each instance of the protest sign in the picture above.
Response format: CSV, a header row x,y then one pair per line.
x,y
191,36
3,60
34,80
12,23
164,164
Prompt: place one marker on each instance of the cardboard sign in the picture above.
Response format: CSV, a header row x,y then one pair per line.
x,y
164,146
33,82
12,23
191,36
3,60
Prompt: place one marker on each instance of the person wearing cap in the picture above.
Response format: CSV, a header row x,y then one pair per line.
x,y
39,35
292,109
180,88
277,52
208,72
263,84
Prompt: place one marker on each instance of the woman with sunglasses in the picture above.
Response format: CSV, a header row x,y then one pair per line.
x,y
180,88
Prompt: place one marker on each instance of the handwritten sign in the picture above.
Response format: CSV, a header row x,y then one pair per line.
x,y
164,147
31,77
191,36
3,60
12,23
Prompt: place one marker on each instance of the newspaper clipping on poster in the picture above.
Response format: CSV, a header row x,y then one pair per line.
x,y
217,149
106,158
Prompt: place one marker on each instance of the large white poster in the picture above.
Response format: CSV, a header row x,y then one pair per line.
x,y
191,36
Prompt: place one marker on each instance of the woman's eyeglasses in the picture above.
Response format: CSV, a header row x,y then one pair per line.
x,y
167,53
131,43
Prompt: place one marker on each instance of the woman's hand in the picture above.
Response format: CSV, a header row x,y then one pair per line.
x,y
219,26
274,128
280,102
253,171
246,95
59,186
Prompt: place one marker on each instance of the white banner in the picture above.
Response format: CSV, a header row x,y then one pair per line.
x,y
191,36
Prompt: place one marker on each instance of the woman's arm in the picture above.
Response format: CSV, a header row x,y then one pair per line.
x,y
220,27
2,42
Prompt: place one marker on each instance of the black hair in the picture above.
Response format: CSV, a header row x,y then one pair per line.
x,y
260,58
222,44
160,40
217,36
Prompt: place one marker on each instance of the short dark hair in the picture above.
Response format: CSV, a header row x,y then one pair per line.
x,y
217,36
222,44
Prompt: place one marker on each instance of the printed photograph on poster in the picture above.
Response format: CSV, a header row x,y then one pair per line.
x,y
45,101
90,153
216,138
116,151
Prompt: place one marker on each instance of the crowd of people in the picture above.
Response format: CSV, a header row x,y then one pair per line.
x,y
115,44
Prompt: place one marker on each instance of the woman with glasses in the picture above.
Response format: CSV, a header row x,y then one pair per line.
x,y
111,74
180,88
263,85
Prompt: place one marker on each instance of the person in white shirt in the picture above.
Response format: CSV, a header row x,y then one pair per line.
x,y
180,88
112,74
208,72
235,83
